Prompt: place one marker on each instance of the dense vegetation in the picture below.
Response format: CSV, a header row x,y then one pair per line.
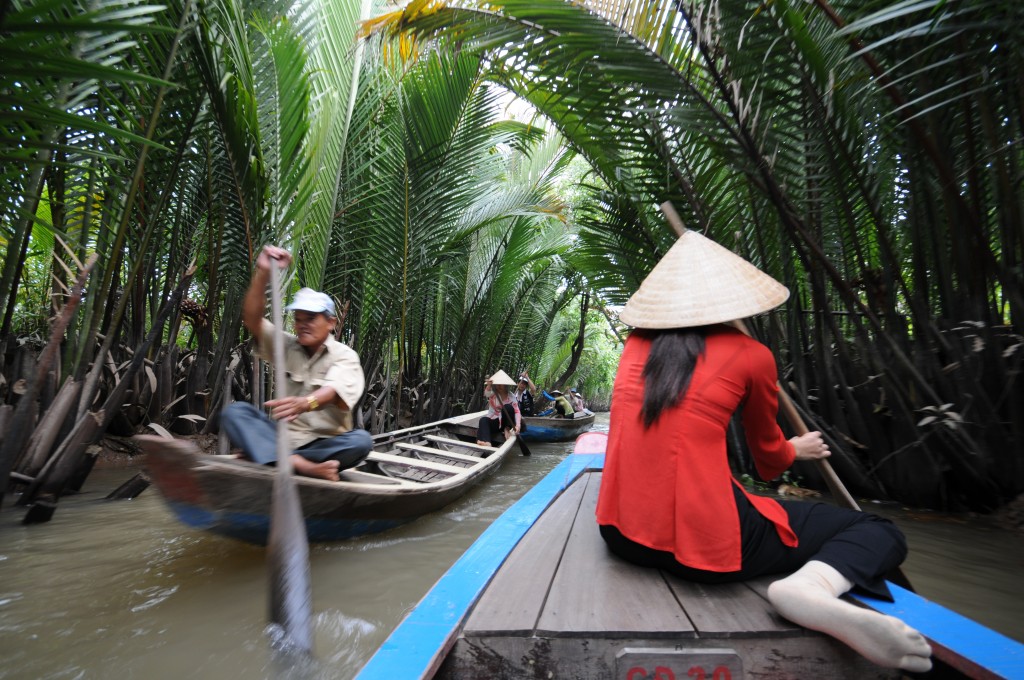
x,y
865,153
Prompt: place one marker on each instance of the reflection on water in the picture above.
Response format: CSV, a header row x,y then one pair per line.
x,y
120,588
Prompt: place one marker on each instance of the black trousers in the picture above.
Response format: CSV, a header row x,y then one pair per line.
x,y
488,425
861,546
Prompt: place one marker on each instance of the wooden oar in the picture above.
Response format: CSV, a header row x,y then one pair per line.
x,y
291,598
835,485
522,445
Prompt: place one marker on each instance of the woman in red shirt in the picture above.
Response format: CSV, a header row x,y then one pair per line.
x,y
668,498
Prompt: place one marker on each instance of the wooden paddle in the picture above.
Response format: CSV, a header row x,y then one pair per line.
x,y
523,448
835,485
522,445
291,598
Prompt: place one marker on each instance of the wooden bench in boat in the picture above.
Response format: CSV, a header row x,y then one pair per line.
x,y
471,446
416,448
378,457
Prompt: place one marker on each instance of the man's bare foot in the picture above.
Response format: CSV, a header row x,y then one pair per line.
x,y
326,470
480,443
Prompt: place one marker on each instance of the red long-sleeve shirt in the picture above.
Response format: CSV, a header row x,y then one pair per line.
x,y
669,487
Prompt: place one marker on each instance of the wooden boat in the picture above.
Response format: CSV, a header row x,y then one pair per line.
x,y
542,428
556,429
408,473
538,595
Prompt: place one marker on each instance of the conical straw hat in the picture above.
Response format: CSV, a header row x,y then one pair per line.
x,y
501,378
697,283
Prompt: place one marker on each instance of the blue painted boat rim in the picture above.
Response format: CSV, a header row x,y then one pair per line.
x,y
417,646
983,647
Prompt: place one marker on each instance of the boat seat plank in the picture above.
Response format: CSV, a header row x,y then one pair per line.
x,y
367,478
379,457
513,600
595,592
471,446
729,610
439,452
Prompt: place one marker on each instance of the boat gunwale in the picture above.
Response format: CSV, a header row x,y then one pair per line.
x,y
201,464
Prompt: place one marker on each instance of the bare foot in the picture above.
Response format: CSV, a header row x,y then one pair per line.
x,y
326,470
810,597
480,443
888,642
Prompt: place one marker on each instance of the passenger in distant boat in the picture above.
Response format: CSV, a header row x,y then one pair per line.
x,y
325,381
668,499
563,407
502,409
524,394
578,405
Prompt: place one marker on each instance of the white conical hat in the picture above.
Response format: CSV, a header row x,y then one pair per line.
x,y
697,283
501,378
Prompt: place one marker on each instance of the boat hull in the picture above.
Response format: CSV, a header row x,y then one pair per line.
x,y
232,497
554,429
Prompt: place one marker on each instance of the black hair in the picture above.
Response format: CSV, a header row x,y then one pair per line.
x,y
669,367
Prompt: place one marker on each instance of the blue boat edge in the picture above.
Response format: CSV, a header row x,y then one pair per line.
x,y
418,646
420,643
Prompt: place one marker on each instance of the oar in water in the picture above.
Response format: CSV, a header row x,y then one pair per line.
x,y
291,599
522,445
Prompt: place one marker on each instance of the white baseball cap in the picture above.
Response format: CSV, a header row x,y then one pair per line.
x,y
309,300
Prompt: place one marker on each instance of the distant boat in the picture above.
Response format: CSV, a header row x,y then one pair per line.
x,y
408,473
556,428
538,595
543,428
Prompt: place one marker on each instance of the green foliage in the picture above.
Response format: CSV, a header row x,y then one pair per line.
x,y
866,155
860,152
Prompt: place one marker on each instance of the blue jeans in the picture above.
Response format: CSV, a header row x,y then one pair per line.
x,y
253,431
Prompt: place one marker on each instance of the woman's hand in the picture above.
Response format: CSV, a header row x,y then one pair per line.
x,y
810,446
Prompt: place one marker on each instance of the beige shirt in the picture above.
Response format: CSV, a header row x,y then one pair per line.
x,y
335,364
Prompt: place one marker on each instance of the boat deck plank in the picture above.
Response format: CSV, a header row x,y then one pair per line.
x,y
451,455
378,457
515,597
591,592
470,446
563,605
729,609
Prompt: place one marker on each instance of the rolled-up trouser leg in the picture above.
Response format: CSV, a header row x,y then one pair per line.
x,y
349,448
251,430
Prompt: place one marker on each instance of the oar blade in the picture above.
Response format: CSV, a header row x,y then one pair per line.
x,y
291,597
